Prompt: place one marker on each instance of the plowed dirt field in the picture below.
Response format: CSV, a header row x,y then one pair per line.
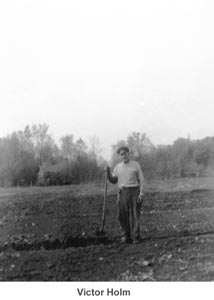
x,y
48,234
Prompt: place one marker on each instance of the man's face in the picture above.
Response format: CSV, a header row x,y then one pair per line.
x,y
124,155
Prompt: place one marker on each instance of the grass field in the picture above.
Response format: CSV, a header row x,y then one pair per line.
x,y
48,233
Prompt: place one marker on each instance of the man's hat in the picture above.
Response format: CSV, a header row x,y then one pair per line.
x,y
123,148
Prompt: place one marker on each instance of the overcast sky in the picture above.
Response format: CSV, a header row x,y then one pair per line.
x,y
108,68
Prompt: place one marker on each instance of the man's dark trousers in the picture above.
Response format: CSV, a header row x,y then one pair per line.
x,y
129,212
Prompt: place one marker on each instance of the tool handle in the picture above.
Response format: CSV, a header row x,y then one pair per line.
x,y
105,196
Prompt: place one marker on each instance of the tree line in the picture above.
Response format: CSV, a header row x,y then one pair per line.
x,y
32,157
184,158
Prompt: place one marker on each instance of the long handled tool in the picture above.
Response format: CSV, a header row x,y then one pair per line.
x,y
101,231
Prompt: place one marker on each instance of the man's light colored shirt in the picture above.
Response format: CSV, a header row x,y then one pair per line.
x,y
129,175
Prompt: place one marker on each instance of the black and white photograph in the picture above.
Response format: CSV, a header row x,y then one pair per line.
x,y
106,142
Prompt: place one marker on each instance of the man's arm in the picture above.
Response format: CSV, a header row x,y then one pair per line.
x,y
141,179
113,179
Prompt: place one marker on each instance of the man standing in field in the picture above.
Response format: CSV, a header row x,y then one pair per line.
x,y
129,176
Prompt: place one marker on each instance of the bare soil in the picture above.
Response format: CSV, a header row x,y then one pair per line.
x,y
49,234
